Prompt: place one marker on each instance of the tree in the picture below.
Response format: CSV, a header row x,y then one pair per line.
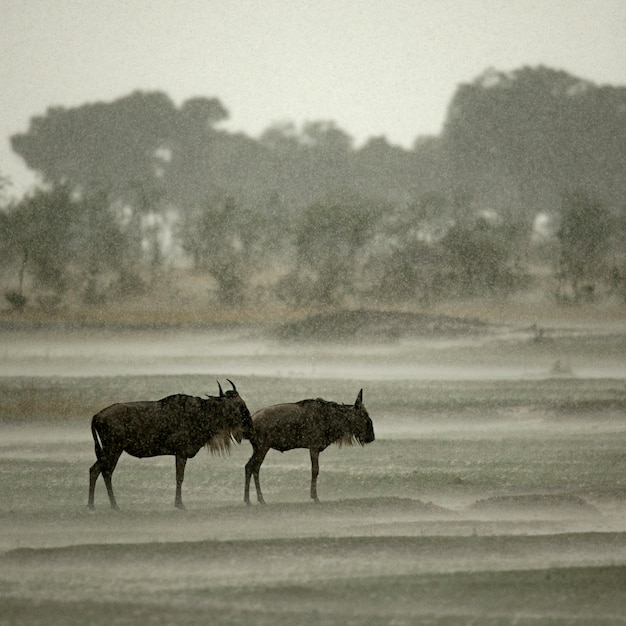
x,y
481,257
99,244
211,236
516,139
418,270
381,170
193,151
329,241
8,247
101,145
5,182
36,236
583,236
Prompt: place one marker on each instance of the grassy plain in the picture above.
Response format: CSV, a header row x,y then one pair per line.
x,y
493,495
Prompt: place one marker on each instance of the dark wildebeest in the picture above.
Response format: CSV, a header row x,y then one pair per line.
x,y
179,425
312,424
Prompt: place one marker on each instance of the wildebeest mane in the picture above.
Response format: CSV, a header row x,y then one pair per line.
x,y
176,398
329,404
218,443
330,409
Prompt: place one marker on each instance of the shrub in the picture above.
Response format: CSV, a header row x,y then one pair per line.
x,y
16,299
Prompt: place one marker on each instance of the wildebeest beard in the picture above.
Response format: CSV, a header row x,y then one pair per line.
x,y
220,443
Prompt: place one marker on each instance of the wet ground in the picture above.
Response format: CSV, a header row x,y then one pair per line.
x,y
482,353
495,492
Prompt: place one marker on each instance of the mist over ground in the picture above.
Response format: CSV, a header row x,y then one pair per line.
x,y
494,492
471,283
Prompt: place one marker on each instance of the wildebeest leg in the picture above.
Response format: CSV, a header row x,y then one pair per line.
x,y
94,472
253,467
181,461
108,461
315,470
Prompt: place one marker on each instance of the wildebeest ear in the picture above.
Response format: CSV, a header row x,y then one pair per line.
x,y
359,399
220,388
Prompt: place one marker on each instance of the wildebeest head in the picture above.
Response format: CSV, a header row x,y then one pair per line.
x,y
361,423
238,422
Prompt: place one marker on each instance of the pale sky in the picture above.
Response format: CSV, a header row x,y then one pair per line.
x,y
375,67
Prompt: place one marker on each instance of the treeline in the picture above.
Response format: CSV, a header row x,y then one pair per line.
x,y
139,183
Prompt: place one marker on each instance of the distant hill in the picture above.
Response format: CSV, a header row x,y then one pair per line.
x,y
381,325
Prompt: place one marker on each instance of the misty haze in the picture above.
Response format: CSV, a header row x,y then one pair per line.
x,y
473,286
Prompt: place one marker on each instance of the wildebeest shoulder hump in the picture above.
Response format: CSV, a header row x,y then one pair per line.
x,y
317,401
181,402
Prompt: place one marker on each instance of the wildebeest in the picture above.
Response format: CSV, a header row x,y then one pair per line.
x,y
179,425
312,424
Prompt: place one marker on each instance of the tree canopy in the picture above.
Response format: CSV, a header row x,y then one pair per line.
x,y
511,141
329,219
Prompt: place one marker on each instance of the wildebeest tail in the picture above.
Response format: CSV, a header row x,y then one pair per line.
x,y
96,439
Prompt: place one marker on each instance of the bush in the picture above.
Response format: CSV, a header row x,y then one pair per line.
x,y
16,299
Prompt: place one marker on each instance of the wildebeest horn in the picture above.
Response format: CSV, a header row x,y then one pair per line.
x,y
221,391
359,399
233,384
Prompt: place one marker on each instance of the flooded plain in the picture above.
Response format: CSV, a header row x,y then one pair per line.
x,y
495,492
